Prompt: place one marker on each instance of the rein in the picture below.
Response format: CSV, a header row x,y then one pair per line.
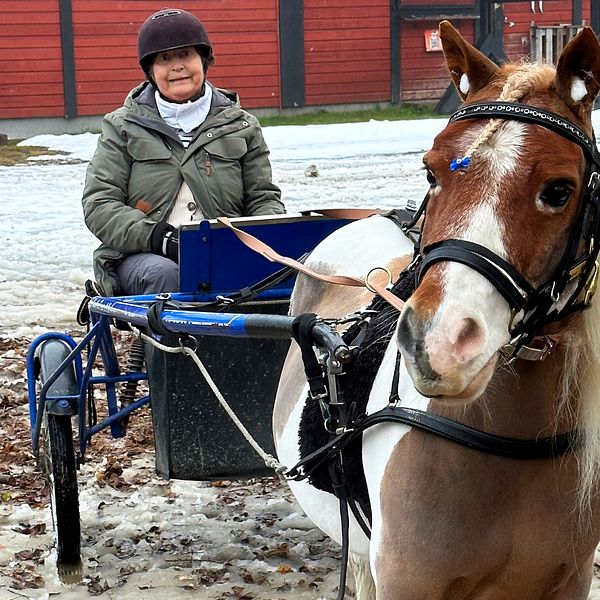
x,y
273,256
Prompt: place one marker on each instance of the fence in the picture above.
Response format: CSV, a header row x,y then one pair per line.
x,y
548,42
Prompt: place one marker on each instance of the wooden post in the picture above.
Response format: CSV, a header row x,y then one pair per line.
x,y
68,58
291,53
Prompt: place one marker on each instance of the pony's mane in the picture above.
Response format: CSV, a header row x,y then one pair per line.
x,y
581,371
581,377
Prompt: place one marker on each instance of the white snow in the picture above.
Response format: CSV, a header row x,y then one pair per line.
x,y
46,250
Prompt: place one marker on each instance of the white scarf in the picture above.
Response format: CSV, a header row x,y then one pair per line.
x,y
187,116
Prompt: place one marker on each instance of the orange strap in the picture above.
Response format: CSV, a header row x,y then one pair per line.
x,y
271,255
344,213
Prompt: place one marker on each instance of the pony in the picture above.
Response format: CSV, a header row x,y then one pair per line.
x,y
499,336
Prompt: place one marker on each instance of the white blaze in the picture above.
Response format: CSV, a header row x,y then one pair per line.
x,y
502,153
468,294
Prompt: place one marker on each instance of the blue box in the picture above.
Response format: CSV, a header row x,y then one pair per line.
x,y
213,261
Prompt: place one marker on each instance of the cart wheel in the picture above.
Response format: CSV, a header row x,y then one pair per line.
x,y
59,460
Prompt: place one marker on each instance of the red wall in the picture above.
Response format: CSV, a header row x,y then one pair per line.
x,y
519,16
244,35
346,46
31,74
423,74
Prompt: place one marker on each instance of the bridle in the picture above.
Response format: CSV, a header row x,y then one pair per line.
x,y
578,266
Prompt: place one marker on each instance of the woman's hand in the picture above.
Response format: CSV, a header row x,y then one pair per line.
x,y
164,240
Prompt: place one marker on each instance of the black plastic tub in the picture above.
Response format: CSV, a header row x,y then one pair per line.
x,y
194,437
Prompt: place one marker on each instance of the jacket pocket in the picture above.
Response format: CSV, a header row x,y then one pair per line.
x,y
224,176
227,148
142,150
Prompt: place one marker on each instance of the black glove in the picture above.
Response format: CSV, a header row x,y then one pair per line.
x,y
164,240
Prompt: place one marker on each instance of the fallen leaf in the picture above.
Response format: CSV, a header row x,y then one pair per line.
x,y
284,569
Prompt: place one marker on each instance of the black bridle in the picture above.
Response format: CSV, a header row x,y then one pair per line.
x,y
578,264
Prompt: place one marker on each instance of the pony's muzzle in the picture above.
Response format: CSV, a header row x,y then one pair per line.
x,y
445,355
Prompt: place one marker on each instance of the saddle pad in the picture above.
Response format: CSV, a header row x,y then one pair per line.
x,y
357,383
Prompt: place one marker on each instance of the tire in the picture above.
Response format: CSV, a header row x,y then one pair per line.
x,y
59,462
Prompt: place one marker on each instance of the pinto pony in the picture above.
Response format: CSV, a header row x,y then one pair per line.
x,y
499,337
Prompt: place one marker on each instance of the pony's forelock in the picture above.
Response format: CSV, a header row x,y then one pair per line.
x,y
520,81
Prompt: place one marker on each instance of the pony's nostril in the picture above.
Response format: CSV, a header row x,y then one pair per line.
x,y
470,337
469,330
406,329
411,341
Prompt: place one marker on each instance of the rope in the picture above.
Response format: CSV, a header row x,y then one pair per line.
x,y
269,460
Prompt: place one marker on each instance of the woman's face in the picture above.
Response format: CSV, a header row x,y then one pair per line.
x,y
179,73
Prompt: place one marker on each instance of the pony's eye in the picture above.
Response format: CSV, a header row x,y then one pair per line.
x,y
556,193
431,178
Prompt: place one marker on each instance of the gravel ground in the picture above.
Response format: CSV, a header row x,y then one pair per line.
x,y
142,536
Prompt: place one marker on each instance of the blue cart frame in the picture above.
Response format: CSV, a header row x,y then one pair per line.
x,y
213,265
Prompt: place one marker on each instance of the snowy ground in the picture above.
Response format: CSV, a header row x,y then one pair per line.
x,y
144,537
46,248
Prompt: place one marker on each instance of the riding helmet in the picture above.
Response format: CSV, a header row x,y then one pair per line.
x,y
168,29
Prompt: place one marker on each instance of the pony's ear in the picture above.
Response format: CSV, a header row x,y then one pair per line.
x,y
578,72
469,68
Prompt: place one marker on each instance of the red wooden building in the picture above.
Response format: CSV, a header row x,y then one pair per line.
x,y
77,58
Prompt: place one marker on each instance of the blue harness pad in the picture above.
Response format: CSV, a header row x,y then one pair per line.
x,y
213,261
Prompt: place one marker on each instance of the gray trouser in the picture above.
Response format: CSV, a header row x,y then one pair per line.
x,y
147,273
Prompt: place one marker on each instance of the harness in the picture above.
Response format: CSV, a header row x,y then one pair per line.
x,y
532,308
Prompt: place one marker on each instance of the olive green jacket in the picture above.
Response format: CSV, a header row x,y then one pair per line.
x,y
140,164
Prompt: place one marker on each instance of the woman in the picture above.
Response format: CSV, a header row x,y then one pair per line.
x,y
179,150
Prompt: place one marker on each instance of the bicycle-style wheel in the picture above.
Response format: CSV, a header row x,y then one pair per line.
x,y
58,458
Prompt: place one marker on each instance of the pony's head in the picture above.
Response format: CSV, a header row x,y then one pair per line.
x,y
505,242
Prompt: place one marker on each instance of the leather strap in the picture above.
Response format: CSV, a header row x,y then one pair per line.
x,y
529,114
548,447
344,213
514,288
538,448
302,329
271,255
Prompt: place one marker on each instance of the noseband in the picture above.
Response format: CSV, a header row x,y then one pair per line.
x,y
578,264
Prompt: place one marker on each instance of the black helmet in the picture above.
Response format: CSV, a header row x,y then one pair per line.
x,y
168,29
